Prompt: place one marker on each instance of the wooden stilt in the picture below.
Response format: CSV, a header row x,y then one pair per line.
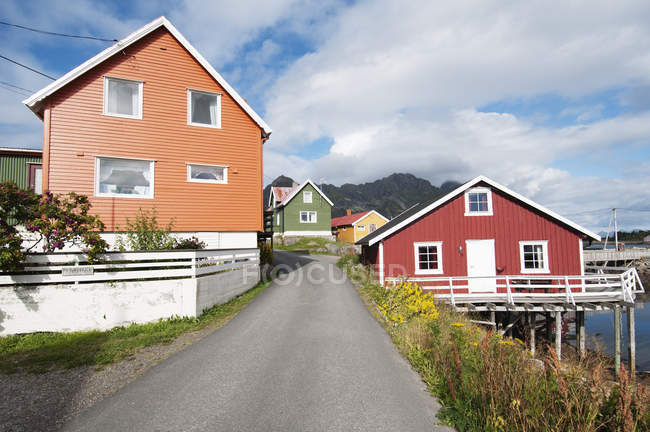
x,y
493,319
547,320
617,338
580,331
532,322
558,334
631,342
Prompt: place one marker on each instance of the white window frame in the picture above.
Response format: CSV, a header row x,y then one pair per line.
x,y
486,190
277,219
361,227
306,194
309,212
105,111
189,108
189,173
128,196
418,271
544,244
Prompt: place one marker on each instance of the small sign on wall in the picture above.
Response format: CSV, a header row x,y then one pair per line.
x,y
77,271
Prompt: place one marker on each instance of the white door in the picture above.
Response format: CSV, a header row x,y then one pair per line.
x,y
480,262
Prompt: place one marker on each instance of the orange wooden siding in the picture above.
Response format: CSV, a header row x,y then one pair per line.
x,y
78,132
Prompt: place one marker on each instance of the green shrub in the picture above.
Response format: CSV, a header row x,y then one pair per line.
x,y
53,222
189,243
266,253
144,233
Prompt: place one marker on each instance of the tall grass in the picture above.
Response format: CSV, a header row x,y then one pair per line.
x,y
488,383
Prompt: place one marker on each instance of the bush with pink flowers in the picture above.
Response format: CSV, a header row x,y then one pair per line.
x,y
51,222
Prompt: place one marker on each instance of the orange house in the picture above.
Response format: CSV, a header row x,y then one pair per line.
x,y
148,123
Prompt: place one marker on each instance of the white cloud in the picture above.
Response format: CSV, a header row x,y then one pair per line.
x,y
395,86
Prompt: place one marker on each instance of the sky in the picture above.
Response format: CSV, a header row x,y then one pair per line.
x,y
551,99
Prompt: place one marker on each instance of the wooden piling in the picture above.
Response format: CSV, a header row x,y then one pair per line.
x,y
617,338
558,334
493,319
631,341
532,322
547,321
580,332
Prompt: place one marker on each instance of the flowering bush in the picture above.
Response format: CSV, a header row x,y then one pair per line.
x,y
406,301
53,221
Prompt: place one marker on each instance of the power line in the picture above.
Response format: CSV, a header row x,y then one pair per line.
x,y
56,34
16,87
4,87
27,67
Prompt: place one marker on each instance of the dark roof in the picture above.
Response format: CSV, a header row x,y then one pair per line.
x,y
397,219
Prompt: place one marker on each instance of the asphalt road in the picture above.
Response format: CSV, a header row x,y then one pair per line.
x,y
305,355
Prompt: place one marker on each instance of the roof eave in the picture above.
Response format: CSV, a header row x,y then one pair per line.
x,y
34,101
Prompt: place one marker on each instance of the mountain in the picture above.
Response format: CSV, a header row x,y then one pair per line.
x,y
389,196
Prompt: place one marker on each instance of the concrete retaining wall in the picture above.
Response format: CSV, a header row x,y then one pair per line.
x,y
101,306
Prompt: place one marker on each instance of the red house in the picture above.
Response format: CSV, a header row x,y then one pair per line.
x,y
480,233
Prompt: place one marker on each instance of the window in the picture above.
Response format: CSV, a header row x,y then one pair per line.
x,y
478,202
203,109
122,98
306,197
428,257
207,173
534,256
307,217
372,227
127,178
361,227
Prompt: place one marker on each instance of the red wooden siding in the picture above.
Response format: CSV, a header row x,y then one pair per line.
x,y
77,131
511,222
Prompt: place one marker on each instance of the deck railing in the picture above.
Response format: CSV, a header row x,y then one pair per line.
x,y
66,268
524,289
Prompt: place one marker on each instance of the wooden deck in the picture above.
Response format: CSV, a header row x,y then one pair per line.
x,y
526,293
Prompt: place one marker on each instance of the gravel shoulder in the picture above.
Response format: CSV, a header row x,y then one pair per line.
x,y
44,402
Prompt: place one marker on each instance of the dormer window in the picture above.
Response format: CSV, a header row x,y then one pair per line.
x,y
203,109
478,202
122,98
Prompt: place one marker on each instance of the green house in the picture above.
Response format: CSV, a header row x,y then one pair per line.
x,y
302,210
21,166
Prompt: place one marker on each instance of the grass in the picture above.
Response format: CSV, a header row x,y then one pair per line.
x,y
489,383
309,245
41,352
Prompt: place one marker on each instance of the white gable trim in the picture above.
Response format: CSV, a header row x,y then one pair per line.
x,y
33,101
468,185
299,188
368,214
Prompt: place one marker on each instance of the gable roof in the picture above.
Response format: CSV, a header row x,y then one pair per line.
x,y
354,218
348,219
297,189
420,210
34,102
281,192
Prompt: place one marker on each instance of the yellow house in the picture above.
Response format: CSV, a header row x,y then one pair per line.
x,y
354,226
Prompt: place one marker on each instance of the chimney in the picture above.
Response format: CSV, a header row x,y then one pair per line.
x,y
348,211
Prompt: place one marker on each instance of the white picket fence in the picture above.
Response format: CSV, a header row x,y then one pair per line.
x,y
65,268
